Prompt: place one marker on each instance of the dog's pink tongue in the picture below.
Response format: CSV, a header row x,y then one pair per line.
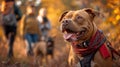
x,y
67,36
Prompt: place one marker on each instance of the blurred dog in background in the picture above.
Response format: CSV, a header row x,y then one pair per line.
x,y
43,50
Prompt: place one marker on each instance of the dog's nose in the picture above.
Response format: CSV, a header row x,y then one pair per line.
x,y
65,22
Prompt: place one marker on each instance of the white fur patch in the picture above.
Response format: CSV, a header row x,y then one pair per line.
x,y
93,64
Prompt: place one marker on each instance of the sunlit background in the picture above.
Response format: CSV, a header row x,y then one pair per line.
x,y
109,23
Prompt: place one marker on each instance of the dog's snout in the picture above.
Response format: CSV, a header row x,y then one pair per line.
x,y
65,22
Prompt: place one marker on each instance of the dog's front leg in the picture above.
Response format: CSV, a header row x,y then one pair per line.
x,y
72,59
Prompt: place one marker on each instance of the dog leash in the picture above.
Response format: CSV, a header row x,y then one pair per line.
x,y
112,49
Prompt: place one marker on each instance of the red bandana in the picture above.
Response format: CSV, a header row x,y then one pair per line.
x,y
104,51
93,46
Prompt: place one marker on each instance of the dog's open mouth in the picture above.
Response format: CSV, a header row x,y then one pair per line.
x,y
71,35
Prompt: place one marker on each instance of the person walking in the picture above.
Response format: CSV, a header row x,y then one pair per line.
x,y
9,24
44,23
30,28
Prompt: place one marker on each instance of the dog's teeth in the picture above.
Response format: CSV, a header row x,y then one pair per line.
x,y
65,32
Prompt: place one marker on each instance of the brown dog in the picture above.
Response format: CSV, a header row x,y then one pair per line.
x,y
40,53
44,51
89,45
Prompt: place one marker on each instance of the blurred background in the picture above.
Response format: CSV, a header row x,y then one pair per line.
x,y
109,23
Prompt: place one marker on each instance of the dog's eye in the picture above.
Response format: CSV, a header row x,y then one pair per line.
x,y
78,17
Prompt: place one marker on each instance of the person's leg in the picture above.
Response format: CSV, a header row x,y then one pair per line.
x,y
35,38
7,36
28,37
11,43
11,35
10,32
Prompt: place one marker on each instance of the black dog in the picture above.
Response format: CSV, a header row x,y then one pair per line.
x,y
50,46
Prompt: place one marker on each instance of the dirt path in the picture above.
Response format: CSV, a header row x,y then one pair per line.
x,y
21,60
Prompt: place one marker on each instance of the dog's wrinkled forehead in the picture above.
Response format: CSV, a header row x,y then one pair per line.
x,y
84,13
72,14
69,14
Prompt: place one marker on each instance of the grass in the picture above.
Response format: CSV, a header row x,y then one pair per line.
x,y
21,59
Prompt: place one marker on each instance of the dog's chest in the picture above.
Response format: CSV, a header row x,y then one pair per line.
x,y
92,63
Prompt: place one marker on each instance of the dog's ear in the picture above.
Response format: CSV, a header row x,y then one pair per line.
x,y
61,17
93,13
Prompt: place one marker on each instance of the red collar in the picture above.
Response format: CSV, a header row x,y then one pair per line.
x,y
95,43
